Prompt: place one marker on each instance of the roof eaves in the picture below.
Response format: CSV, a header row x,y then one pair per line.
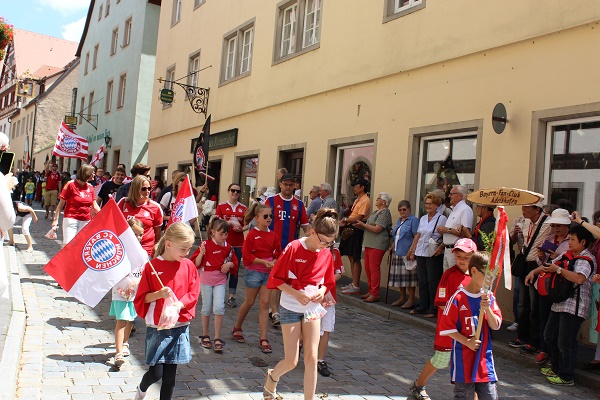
x,y
85,29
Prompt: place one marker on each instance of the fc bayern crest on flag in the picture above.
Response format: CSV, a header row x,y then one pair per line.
x,y
200,165
178,210
70,145
103,251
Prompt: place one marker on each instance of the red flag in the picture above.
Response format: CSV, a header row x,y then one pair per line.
x,y
98,257
98,156
70,145
184,208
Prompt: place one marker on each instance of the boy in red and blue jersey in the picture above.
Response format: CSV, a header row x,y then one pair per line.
x,y
288,214
472,363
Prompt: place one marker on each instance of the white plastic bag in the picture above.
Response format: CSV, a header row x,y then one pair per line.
x,y
328,300
314,310
51,234
409,264
170,313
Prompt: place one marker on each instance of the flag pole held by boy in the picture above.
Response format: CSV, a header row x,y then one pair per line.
x,y
99,256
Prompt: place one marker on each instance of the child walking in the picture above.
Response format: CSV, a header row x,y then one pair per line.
x,y
122,307
328,321
304,274
452,279
165,348
472,367
215,258
259,253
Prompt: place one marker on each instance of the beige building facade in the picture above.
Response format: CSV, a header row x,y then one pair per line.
x,y
398,92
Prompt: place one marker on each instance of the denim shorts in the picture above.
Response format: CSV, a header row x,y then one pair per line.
x,y
168,346
254,279
213,299
289,317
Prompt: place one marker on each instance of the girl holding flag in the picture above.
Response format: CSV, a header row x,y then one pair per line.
x,y
169,281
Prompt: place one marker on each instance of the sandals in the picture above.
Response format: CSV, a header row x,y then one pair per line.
x,y
219,344
398,302
205,342
407,305
268,394
265,347
416,311
119,361
126,351
237,336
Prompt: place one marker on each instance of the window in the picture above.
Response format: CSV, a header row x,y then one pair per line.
x,y
170,77
115,41
446,161
198,3
107,8
193,71
121,98
573,166
100,11
398,8
109,92
127,33
298,28
81,108
87,63
237,52
90,110
95,58
176,15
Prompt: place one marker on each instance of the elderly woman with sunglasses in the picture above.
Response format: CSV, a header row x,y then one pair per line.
x,y
233,212
138,205
376,241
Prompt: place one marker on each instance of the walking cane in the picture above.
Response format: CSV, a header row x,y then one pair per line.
x,y
387,288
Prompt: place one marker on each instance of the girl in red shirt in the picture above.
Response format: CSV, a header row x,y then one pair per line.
x,y
165,348
215,259
304,274
260,251
77,199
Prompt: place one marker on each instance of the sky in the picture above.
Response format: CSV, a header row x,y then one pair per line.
x,y
59,18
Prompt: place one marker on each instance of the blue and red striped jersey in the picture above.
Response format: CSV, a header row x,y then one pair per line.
x,y
288,215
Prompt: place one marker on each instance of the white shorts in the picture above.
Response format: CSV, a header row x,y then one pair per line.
x,y
328,320
71,227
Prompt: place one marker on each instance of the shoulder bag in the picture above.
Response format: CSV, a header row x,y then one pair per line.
x,y
519,267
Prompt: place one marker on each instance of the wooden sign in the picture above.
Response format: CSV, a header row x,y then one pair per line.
x,y
504,197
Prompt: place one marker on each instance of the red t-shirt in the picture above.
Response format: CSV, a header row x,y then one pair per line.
x,y
215,256
300,267
78,200
52,179
150,215
180,276
263,245
228,212
451,280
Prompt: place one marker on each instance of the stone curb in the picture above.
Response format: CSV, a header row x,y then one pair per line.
x,y
11,354
582,377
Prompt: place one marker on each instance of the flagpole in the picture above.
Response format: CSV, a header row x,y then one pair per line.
x,y
156,274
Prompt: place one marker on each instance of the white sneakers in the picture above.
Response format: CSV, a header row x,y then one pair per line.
x,y
351,289
139,395
513,327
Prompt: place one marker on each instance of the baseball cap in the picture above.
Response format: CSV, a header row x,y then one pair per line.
x,y
559,216
466,245
286,177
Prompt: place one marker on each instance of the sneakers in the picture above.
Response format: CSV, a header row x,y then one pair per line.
x,y
419,392
513,327
517,344
557,380
529,350
542,357
548,372
323,369
139,395
351,290
232,302
276,320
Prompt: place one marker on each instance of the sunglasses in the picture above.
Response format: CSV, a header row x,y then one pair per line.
x,y
268,216
145,189
235,191
324,242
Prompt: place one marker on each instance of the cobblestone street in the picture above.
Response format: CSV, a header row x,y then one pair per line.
x,y
67,346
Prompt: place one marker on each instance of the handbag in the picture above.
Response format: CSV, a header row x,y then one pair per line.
x,y
346,232
433,244
519,266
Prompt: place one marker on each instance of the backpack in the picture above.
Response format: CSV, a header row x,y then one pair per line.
x,y
557,288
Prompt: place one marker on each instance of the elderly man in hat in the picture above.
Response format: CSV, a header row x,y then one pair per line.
x,y
53,187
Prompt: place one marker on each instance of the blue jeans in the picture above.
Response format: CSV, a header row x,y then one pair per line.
x,y
561,337
233,280
213,299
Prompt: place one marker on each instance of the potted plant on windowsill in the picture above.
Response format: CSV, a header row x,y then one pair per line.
x,y
6,36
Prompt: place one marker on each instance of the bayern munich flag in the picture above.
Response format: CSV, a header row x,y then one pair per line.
x,y
185,207
70,145
98,257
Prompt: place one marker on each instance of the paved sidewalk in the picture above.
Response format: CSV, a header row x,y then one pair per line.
x,y
67,345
